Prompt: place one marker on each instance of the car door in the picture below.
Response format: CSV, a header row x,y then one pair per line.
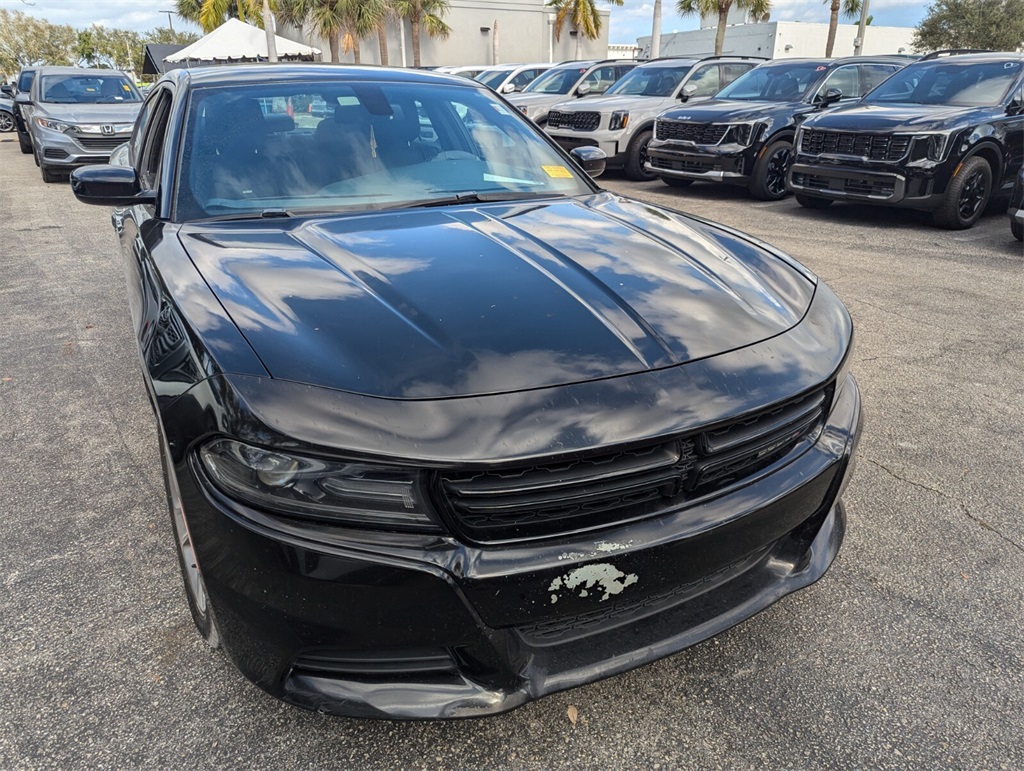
x,y
1013,136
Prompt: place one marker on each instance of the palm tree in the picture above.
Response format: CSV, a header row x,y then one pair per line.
x,y
582,14
423,14
849,9
341,22
757,8
656,31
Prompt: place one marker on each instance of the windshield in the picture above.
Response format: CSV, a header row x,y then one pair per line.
x,y
88,89
662,80
493,78
960,84
557,81
775,83
288,148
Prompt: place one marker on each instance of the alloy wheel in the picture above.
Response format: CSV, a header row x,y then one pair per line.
x,y
6,122
972,195
778,167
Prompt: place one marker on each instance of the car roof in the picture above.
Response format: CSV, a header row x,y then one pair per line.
x,y
988,56
226,75
77,71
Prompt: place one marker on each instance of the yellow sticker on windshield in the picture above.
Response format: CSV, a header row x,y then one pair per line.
x,y
558,172
127,88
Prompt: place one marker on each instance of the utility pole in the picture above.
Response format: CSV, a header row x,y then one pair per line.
x,y
269,27
169,22
656,31
859,43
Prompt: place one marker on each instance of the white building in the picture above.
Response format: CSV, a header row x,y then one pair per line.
x,y
483,32
781,39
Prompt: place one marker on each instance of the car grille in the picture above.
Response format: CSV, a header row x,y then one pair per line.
x,y
583,493
700,133
875,188
875,147
100,143
694,165
579,121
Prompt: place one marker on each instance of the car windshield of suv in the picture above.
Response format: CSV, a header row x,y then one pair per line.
x,y
493,78
87,89
557,81
958,84
776,83
291,148
660,80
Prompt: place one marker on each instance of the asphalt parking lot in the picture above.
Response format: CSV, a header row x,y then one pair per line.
x,y
908,654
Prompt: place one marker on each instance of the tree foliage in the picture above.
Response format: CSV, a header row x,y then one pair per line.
x,y
582,15
423,15
721,8
994,24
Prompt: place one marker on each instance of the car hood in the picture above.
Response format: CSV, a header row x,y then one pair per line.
x,y
90,113
609,103
717,111
898,117
493,298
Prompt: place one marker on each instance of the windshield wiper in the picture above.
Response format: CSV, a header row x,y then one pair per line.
x,y
472,196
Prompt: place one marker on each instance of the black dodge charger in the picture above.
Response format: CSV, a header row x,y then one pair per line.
x,y
445,427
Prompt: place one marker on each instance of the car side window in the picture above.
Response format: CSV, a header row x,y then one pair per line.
x,y
873,74
147,162
843,78
600,79
729,73
141,124
706,80
25,81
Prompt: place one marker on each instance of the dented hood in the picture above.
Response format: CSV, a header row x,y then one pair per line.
x,y
492,298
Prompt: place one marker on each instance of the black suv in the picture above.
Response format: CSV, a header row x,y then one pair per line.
x,y
24,85
1017,208
744,136
941,135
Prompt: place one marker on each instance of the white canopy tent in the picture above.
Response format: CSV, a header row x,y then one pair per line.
x,y
235,40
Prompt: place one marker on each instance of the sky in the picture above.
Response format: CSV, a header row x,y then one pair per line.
x,y
628,22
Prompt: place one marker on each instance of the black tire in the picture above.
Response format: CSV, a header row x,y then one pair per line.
x,y
195,589
768,179
49,175
1017,229
26,144
677,181
6,122
636,157
966,196
812,202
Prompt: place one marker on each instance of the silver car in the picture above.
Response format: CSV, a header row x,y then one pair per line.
x,y
567,80
78,116
621,122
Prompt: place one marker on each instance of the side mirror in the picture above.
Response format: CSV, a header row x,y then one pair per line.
x,y
584,89
831,96
508,88
688,91
591,159
7,90
1016,105
22,98
109,186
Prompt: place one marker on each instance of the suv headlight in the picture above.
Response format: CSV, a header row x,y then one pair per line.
x,y
744,133
619,120
357,494
931,146
53,125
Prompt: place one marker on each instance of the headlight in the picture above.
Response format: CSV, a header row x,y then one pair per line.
x,y
743,133
930,146
619,120
53,125
343,493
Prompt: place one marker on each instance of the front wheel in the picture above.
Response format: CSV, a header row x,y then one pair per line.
x,y
1017,229
811,202
26,144
49,175
966,197
636,158
768,180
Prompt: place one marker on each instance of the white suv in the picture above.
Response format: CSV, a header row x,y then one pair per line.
x,y
622,121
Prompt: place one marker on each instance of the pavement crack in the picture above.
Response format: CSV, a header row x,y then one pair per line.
x,y
898,315
963,507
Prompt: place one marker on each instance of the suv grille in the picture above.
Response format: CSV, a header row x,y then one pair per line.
x,y
100,143
579,121
583,493
701,133
875,147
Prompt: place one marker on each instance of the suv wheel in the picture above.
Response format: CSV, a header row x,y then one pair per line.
x,y
636,158
966,197
677,181
811,202
25,142
1017,229
6,122
49,175
768,181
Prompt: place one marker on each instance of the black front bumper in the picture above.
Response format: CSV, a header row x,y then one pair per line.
x,y
729,163
422,626
900,187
